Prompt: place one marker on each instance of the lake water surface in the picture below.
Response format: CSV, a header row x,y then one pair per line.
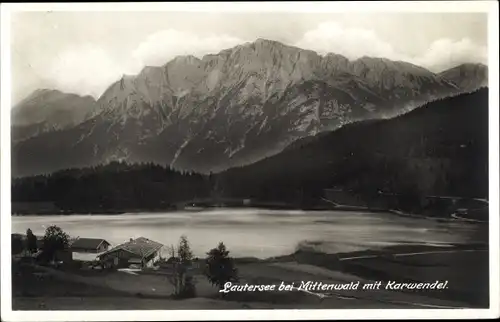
x,y
256,232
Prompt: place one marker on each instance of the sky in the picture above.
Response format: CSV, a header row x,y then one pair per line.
x,y
84,52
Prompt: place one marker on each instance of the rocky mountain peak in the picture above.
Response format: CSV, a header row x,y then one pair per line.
x,y
467,76
47,110
184,60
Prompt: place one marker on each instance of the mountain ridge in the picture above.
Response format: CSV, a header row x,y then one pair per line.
x,y
47,110
421,152
236,107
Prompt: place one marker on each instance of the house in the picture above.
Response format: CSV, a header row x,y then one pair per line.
x,y
141,251
18,244
19,236
87,249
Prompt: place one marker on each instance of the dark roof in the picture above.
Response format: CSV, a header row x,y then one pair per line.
x,y
141,246
88,243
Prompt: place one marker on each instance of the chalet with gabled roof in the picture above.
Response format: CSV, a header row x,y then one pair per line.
x,y
141,251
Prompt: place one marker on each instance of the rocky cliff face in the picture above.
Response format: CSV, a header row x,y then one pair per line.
x,y
231,108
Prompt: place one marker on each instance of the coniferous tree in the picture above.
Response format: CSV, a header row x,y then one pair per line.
x,y
181,277
219,267
31,242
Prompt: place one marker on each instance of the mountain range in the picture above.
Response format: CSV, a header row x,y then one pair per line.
x,y
224,110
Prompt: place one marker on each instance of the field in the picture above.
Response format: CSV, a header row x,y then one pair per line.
x,y
51,289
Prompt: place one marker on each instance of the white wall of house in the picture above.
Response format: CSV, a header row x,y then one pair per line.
x,y
84,256
153,260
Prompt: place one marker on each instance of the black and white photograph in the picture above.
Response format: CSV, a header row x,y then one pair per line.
x,y
216,158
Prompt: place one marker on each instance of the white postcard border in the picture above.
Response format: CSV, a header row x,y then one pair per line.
x,y
490,7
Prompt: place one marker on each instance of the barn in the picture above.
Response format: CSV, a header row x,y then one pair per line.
x,y
142,252
87,249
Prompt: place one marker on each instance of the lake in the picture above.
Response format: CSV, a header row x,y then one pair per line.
x,y
257,232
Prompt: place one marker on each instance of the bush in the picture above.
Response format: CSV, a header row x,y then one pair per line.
x,y
220,268
55,239
188,290
17,245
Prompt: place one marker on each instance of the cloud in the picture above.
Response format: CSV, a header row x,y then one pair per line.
x,y
84,70
354,43
164,45
446,53
89,69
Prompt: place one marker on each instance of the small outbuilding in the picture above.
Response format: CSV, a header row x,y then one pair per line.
x,y
88,249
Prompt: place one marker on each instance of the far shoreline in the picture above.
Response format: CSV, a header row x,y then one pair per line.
x,y
195,209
